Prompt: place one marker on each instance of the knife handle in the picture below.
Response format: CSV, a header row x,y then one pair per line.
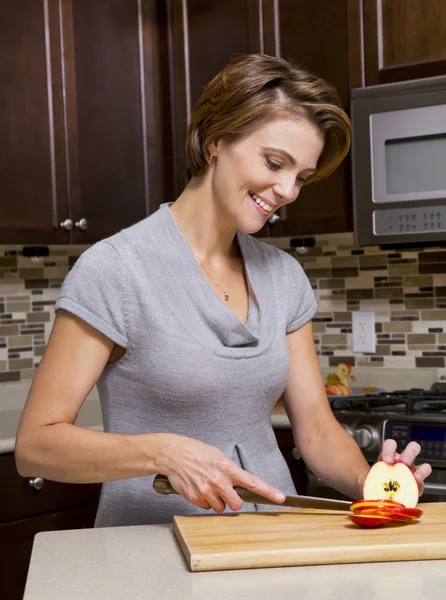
x,y
162,485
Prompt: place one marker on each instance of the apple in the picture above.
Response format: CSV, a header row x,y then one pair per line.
x,y
395,482
332,390
359,505
337,389
370,521
389,514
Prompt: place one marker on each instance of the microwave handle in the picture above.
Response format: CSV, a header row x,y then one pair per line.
x,y
435,488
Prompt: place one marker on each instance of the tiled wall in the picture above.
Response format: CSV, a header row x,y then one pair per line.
x,y
407,291
29,289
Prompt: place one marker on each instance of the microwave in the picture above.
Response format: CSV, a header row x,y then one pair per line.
x,y
399,163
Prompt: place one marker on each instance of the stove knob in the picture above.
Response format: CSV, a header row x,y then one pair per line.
x,y
364,437
347,428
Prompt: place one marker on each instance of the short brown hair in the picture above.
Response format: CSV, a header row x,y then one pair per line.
x,y
253,88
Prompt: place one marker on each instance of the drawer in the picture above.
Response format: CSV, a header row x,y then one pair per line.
x,y
20,500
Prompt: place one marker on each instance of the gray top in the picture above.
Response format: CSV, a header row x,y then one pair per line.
x,y
191,367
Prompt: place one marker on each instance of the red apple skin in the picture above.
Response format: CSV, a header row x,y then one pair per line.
x,y
360,504
369,521
388,513
401,514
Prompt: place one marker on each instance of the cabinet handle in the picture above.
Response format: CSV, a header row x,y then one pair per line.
x,y
295,454
275,218
82,224
67,224
36,483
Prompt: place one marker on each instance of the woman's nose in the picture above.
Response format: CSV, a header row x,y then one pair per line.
x,y
287,189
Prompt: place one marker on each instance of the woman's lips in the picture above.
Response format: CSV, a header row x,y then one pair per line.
x,y
255,196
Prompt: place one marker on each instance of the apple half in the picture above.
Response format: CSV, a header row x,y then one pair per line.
x,y
391,482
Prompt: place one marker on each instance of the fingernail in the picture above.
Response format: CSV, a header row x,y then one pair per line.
x,y
280,497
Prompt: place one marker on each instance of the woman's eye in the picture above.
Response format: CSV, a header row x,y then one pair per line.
x,y
272,165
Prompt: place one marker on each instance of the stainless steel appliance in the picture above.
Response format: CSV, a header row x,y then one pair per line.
x,y
403,415
399,162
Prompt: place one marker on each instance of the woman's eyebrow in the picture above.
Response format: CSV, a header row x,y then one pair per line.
x,y
287,155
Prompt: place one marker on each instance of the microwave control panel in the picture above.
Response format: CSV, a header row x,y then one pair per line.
x,y
396,221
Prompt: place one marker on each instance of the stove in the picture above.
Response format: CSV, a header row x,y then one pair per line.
x,y
403,415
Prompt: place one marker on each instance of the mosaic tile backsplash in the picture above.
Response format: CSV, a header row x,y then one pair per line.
x,y
405,289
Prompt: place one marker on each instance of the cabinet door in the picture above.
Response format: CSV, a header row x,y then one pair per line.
x,y
21,500
33,196
114,114
204,36
315,36
16,541
404,39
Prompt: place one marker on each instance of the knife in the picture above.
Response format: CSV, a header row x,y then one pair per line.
x,y
162,485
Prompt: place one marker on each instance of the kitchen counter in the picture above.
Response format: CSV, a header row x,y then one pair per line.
x,y
13,396
146,562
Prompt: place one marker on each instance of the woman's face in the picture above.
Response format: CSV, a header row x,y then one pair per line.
x,y
255,176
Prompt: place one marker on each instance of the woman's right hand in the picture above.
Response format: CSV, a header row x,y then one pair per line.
x,y
205,476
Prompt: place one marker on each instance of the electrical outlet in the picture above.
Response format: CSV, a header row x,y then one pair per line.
x,y
363,329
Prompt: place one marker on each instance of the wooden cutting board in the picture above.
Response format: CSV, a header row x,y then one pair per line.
x,y
305,537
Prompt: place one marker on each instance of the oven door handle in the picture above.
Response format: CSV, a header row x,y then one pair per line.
x,y
435,488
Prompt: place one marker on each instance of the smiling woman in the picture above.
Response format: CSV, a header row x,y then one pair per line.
x,y
192,329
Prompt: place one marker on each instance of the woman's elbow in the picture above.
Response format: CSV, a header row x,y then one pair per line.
x,y
23,456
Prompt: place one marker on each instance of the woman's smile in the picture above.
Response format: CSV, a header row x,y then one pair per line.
x,y
262,205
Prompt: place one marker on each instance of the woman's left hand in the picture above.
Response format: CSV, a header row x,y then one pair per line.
x,y
407,456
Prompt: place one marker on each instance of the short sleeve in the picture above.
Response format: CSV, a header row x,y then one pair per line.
x,y
303,304
94,291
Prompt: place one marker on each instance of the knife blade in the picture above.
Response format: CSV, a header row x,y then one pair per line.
x,y
162,485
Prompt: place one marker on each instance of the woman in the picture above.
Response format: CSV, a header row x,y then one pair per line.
x,y
192,329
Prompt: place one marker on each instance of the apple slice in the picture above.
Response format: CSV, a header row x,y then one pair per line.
x,y
394,482
370,521
397,513
359,505
376,512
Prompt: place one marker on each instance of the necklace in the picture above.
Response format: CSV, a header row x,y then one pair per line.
x,y
225,294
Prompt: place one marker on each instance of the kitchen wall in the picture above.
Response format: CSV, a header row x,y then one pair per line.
x,y
406,289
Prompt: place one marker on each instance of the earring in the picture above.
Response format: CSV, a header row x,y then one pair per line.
x,y
210,158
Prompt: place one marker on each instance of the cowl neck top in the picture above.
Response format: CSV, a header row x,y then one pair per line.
x,y
191,299
191,367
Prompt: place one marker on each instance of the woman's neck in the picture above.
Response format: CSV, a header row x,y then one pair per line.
x,y
207,228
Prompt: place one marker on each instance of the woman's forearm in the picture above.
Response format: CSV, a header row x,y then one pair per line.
x,y
334,456
68,453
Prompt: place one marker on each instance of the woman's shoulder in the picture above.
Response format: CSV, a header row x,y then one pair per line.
x,y
276,257
126,243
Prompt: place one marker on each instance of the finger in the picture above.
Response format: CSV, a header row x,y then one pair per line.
x,y
422,472
388,451
410,452
216,503
229,472
257,485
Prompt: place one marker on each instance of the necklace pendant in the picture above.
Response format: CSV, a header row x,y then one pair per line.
x,y
226,296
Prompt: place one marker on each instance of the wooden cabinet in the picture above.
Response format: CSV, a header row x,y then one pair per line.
x,y
32,155
97,97
204,36
26,511
315,37
401,40
85,124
